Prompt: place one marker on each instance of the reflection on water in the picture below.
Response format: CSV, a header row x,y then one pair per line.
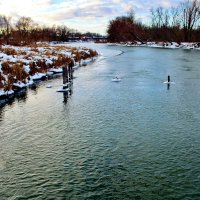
x,y
136,139
67,94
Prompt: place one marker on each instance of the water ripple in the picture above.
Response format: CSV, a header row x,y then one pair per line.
x,y
132,140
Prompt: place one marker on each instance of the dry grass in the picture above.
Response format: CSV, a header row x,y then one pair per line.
x,y
15,70
9,51
2,80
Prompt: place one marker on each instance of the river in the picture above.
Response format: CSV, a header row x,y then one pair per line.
x,y
134,139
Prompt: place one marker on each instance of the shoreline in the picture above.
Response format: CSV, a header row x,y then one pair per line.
x,y
164,45
22,66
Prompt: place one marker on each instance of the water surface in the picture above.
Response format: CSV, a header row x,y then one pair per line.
x,y
135,139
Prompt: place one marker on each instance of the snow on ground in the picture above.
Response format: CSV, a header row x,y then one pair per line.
x,y
38,76
44,58
56,70
20,84
169,45
2,92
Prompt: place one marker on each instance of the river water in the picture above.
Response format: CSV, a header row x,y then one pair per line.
x,y
134,139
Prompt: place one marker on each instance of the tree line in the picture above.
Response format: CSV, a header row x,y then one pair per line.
x,y
178,24
26,31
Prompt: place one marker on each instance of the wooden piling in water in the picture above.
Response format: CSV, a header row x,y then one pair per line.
x,y
71,70
67,75
168,79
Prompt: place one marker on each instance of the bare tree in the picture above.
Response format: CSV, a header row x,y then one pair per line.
x,y
159,17
24,25
190,17
131,15
166,21
62,33
175,17
5,26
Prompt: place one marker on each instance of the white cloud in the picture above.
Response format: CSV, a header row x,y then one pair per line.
x,y
85,15
166,3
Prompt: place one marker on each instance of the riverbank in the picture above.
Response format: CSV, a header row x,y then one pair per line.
x,y
21,66
168,45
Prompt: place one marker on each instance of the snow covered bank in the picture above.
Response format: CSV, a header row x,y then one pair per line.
x,y
169,45
20,66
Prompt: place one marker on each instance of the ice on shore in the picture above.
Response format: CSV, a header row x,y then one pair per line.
x,y
169,45
2,92
38,76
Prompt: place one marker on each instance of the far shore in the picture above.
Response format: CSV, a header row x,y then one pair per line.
x,y
167,45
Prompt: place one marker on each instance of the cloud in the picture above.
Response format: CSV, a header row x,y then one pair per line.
x,y
24,8
84,14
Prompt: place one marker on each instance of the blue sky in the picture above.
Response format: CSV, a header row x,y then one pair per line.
x,y
83,15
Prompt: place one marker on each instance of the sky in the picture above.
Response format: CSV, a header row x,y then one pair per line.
x,y
82,15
